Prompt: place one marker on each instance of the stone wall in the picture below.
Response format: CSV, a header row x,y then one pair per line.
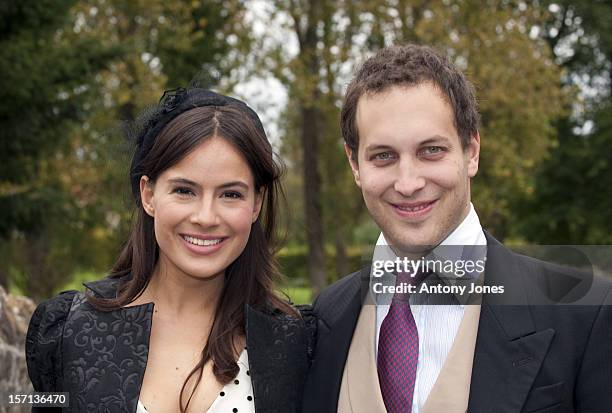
x,y
15,313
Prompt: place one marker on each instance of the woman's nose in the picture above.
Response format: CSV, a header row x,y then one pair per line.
x,y
205,213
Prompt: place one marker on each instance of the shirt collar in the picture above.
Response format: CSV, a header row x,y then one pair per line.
x,y
466,242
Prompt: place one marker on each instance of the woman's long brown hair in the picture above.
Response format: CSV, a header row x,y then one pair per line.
x,y
250,278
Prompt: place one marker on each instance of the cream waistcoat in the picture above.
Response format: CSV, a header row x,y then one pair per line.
x,y
360,389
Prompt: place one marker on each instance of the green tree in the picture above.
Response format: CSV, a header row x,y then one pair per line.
x,y
571,203
44,75
517,84
84,66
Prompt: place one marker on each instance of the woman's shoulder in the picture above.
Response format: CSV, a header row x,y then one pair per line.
x,y
301,316
275,325
43,339
49,314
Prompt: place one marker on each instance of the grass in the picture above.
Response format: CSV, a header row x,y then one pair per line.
x,y
298,295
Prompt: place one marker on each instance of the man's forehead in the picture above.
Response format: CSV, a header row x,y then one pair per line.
x,y
379,144
408,115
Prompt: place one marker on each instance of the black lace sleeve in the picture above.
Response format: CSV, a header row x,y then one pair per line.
x,y
310,321
43,342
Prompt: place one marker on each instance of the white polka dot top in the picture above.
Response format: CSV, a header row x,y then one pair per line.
x,y
234,397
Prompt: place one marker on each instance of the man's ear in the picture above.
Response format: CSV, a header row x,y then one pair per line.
x,y
259,196
146,195
352,158
473,154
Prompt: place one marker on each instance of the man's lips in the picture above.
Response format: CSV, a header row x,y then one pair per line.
x,y
413,209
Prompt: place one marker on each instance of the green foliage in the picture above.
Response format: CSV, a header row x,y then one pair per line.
x,y
518,86
70,70
42,71
573,201
293,263
201,38
44,75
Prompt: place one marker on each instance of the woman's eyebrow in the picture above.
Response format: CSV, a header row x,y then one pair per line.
x,y
235,183
183,181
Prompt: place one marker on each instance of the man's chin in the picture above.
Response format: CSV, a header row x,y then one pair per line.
x,y
408,247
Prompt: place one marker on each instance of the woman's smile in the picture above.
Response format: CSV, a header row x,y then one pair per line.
x,y
203,245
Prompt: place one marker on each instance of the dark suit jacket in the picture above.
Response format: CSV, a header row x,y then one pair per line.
x,y
528,357
100,357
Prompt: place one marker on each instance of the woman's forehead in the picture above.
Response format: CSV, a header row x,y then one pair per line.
x,y
214,161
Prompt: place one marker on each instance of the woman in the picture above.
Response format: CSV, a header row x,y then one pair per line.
x,y
187,320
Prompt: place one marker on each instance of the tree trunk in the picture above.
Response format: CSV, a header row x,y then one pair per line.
x,y
309,136
312,198
342,264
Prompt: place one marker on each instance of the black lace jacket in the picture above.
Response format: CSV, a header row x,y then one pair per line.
x,y
100,357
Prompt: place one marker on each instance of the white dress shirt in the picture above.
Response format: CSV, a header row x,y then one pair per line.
x,y
436,325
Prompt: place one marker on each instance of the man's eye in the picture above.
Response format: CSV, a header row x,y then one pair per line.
x,y
232,195
383,156
433,150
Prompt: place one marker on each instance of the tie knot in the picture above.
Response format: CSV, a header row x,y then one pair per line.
x,y
405,279
412,278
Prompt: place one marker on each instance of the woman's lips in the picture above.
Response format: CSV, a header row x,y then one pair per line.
x,y
211,245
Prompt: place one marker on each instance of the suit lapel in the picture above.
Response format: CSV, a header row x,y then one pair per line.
x,y
451,391
360,391
509,351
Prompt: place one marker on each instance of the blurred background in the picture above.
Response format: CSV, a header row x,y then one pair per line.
x,y
72,70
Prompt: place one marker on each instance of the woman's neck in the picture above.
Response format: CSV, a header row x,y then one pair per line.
x,y
181,296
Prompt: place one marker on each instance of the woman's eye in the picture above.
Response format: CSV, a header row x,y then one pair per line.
x,y
183,191
232,195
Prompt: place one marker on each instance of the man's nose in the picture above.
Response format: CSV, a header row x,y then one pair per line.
x,y
205,213
409,179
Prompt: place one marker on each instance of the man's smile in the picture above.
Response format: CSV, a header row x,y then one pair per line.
x,y
413,209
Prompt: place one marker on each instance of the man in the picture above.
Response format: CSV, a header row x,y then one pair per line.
x,y
410,126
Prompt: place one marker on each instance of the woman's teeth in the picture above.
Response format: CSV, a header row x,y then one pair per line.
x,y
201,242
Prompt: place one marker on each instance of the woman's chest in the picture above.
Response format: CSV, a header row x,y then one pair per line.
x,y
173,367
209,396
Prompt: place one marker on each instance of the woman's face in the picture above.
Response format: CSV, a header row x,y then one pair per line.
x,y
203,208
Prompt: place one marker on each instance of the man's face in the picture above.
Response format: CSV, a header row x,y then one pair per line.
x,y
411,167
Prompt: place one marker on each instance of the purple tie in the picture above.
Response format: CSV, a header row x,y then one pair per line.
x,y
398,351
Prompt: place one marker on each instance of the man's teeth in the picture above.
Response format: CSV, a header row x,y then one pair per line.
x,y
201,242
413,209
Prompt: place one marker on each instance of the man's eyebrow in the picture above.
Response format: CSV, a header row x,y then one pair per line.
x,y
436,139
371,148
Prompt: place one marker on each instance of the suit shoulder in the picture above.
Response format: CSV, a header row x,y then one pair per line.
x,y
341,290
